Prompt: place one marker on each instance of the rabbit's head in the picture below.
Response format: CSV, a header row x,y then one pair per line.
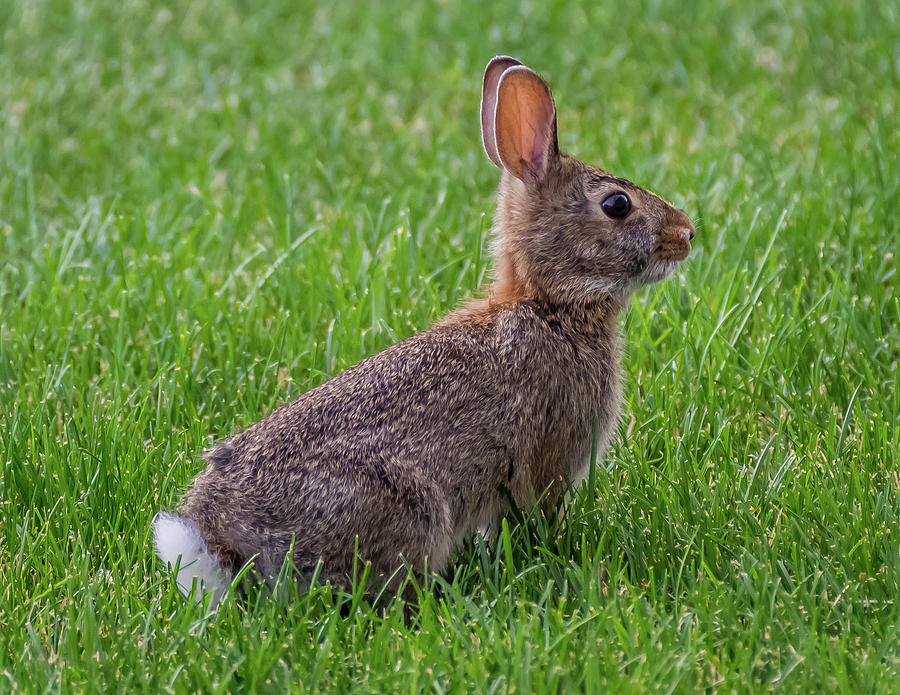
x,y
567,231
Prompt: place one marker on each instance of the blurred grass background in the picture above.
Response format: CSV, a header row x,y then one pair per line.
x,y
209,207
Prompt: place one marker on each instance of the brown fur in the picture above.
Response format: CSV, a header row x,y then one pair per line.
x,y
406,452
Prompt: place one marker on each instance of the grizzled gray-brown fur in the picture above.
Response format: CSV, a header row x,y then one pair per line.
x,y
403,454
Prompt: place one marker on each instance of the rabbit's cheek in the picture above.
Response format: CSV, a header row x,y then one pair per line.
x,y
636,252
639,265
591,251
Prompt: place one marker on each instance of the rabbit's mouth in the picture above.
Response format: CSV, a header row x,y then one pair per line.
x,y
672,248
674,245
659,268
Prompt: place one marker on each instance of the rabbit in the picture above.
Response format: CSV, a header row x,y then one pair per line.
x,y
395,460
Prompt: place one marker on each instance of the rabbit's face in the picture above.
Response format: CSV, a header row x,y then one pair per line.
x,y
582,233
621,236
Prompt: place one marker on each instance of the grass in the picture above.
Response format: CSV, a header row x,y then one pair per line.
x,y
206,209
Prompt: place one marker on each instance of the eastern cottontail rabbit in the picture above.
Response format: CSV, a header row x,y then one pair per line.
x,y
403,454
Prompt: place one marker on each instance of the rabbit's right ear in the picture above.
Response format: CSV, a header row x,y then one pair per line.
x,y
492,74
525,123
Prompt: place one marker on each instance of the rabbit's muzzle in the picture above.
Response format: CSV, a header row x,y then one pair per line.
x,y
675,239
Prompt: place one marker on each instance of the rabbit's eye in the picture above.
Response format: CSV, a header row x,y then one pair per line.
x,y
616,204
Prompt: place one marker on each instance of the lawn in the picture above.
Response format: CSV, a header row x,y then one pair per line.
x,y
207,208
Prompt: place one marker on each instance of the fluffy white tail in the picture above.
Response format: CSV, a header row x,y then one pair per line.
x,y
175,537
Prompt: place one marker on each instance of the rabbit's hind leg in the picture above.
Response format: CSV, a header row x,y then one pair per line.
x,y
396,520
411,527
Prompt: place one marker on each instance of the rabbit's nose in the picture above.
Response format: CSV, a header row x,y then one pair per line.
x,y
683,221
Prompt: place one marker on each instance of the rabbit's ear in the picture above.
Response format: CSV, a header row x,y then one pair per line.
x,y
525,123
492,74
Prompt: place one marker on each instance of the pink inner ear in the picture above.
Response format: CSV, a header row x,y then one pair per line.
x,y
525,126
535,134
492,74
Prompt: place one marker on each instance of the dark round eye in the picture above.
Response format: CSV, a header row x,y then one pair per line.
x,y
616,204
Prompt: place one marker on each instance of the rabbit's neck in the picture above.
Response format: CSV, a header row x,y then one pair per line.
x,y
508,285
587,326
511,286
591,320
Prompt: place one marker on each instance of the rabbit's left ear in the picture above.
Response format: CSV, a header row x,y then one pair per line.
x,y
492,74
525,123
